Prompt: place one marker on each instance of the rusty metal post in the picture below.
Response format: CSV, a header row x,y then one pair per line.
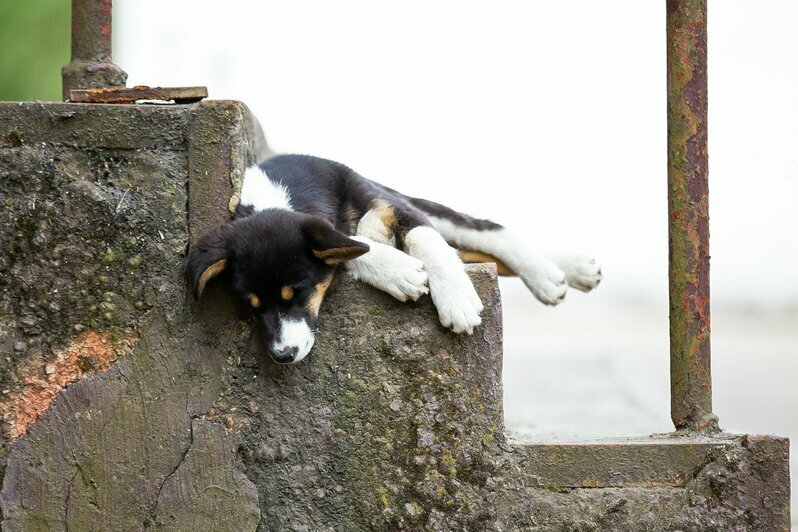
x,y
91,66
688,215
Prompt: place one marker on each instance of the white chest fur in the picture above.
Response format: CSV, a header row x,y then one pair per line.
x,y
260,192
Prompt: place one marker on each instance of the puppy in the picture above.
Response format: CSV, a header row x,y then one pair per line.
x,y
302,219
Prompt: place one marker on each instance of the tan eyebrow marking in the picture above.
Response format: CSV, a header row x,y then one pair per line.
x,y
254,301
314,303
287,293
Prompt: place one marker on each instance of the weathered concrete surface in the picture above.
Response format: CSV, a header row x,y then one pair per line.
x,y
125,409
93,231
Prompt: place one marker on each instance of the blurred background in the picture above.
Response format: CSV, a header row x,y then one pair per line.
x,y
548,117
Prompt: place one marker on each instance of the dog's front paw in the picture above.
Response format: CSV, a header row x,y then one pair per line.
x,y
546,281
406,278
458,303
390,270
582,273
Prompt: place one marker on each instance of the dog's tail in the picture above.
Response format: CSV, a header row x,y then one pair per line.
x,y
471,236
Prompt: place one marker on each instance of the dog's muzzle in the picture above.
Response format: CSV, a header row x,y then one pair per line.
x,y
294,341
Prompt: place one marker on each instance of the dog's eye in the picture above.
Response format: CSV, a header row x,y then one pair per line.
x,y
287,293
254,301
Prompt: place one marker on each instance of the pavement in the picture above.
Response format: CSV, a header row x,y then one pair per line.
x,y
598,367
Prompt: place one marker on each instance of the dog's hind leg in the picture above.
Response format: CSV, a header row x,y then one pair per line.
x,y
483,240
582,273
451,290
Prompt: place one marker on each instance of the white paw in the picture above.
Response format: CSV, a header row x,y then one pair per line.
x,y
582,273
390,270
457,302
406,278
546,281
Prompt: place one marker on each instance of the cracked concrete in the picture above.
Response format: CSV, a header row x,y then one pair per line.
x,y
151,519
204,493
391,423
68,495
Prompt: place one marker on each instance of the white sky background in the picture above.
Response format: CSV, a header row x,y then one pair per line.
x,y
546,116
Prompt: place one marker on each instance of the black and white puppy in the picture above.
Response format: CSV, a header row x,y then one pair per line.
x,y
301,218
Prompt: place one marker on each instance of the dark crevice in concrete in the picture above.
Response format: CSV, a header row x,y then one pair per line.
x,y
187,217
185,452
69,495
711,457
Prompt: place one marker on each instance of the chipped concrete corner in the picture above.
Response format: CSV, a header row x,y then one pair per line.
x,y
124,408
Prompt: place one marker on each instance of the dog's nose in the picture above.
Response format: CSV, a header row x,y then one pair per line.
x,y
285,355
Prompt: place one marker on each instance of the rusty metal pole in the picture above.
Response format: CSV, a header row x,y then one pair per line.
x,y
91,66
688,215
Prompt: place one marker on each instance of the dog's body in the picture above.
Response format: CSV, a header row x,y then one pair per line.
x,y
300,217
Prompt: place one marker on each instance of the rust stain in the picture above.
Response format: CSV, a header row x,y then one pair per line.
x,y
88,353
590,482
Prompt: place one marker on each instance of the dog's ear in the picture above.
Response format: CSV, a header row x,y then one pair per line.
x,y
329,244
208,258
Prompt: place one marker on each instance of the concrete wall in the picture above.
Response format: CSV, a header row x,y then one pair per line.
x,y
125,407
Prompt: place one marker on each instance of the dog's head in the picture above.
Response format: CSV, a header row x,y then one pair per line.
x,y
280,264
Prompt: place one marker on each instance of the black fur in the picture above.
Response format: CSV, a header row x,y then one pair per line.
x,y
333,191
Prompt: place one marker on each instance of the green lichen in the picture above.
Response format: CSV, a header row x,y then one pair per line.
x,y
108,257
384,349
86,364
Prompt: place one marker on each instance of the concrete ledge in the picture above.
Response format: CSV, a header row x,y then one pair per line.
x,y
653,462
742,483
